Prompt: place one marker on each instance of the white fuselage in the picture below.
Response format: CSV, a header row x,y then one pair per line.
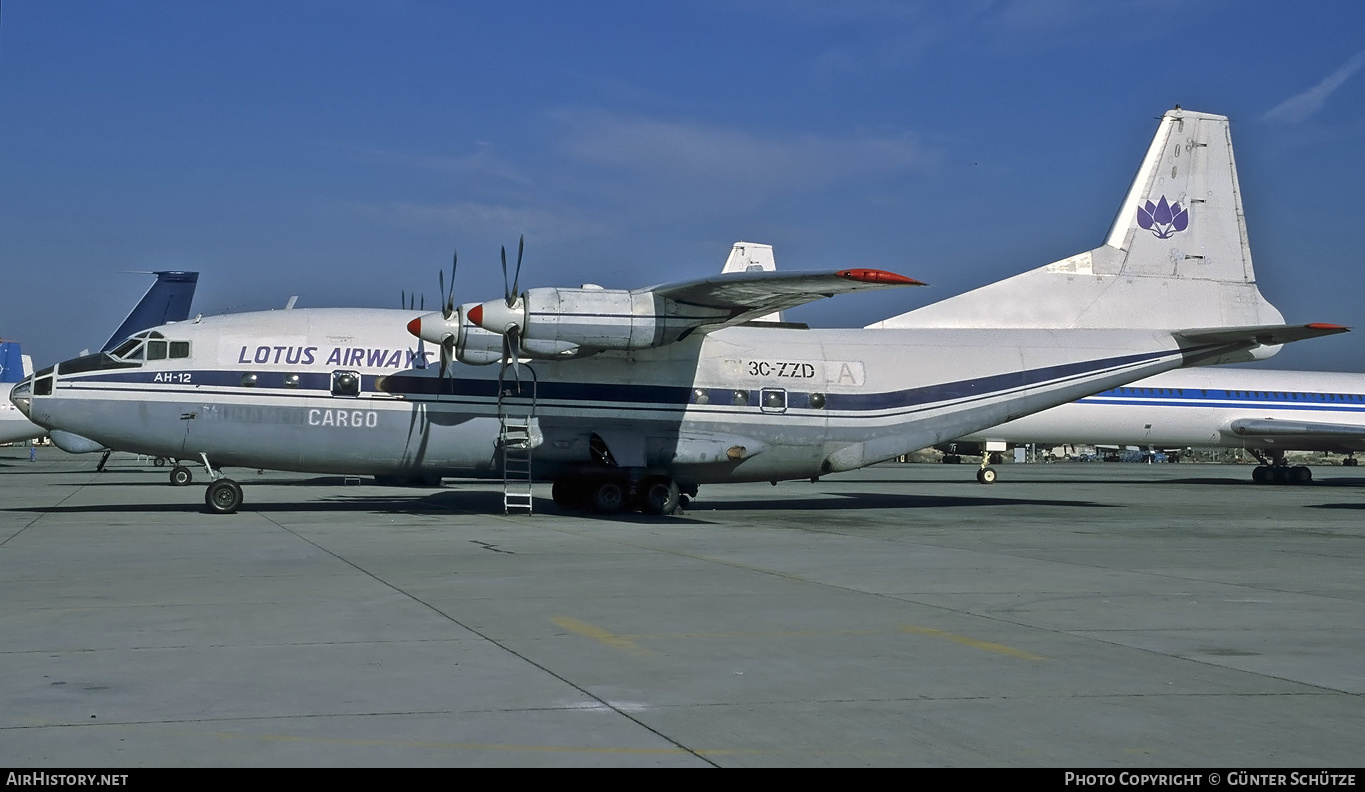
x,y
743,403
1199,407
14,426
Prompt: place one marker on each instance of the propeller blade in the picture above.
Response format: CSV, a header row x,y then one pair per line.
x,y
511,352
449,308
447,353
506,287
516,276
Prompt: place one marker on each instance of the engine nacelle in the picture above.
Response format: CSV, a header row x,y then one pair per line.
x,y
591,317
476,346
560,322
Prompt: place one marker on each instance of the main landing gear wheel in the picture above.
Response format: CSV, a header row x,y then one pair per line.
x,y
159,462
181,476
658,495
223,496
986,475
1282,474
569,493
609,497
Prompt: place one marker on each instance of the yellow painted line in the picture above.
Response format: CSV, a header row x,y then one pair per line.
x,y
972,642
457,746
628,642
765,634
598,634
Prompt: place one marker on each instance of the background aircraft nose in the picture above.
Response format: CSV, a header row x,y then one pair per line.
x,y
21,394
415,327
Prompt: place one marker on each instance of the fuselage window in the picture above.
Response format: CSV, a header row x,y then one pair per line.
x,y
345,383
774,399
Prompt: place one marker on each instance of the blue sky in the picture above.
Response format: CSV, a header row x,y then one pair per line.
x,y
341,150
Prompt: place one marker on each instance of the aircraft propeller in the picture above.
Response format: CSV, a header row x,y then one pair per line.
x,y
511,340
409,303
447,311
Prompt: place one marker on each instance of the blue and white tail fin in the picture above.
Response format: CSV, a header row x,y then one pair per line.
x,y
1176,258
168,300
14,364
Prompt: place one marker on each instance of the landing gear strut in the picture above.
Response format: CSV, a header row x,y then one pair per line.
x,y
986,475
223,495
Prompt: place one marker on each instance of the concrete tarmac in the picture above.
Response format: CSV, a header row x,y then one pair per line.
x,y
1073,615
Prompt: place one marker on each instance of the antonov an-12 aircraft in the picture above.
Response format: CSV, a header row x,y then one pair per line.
x,y
1265,412
633,398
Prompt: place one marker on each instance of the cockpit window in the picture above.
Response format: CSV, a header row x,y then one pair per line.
x,y
129,350
180,349
156,350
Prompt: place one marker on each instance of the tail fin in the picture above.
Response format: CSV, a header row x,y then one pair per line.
x,y
168,300
1177,255
11,362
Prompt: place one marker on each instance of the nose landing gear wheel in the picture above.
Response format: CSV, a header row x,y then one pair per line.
x,y
223,496
181,476
986,475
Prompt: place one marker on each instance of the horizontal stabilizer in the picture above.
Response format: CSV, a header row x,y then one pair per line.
x,y
1262,335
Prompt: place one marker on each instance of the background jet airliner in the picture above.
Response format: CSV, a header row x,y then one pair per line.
x,y
14,366
1266,412
627,398
167,300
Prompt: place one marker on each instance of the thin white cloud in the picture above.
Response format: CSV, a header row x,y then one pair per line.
x,y
474,217
609,169
483,162
1298,108
686,156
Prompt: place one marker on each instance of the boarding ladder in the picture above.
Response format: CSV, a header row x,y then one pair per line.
x,y
516,418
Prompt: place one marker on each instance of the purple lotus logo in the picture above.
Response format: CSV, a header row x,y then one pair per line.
x,y
1163,219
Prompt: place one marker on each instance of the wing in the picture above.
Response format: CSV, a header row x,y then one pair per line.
x,y
735,298
558,323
